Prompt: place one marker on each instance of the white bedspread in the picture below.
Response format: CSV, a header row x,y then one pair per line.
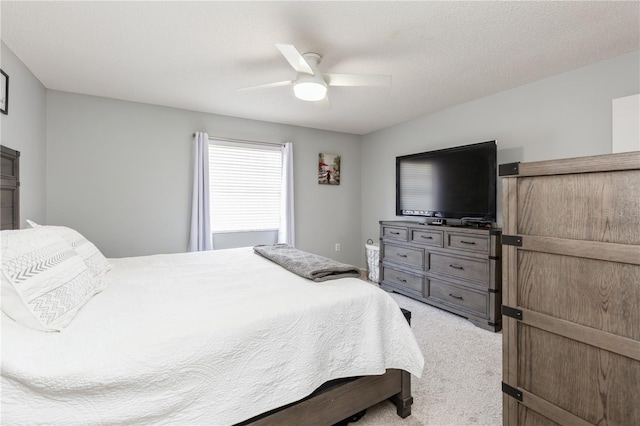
x,y
210,338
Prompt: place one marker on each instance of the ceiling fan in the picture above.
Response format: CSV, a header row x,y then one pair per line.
x,y
311,84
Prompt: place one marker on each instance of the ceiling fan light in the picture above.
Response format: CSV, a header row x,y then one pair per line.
x,y
310,90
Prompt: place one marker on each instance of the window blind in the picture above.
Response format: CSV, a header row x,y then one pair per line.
x,y
245,186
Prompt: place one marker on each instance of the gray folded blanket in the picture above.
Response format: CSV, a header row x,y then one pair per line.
x,y
307,265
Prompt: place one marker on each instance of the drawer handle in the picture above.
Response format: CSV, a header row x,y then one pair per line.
x,y
394,233
455,297
401,280
426,238
456,267
401,255
473,243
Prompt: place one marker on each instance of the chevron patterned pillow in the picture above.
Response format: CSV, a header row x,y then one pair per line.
x,y
92,256
44,281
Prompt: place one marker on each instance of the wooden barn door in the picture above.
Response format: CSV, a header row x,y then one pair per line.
x,y
571,282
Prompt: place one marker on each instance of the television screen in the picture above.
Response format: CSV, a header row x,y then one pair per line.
x,y
453,183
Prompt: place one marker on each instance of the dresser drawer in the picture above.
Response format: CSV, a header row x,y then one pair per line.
x,y
474,243
475,270
427,237
407,255
460,297
392,232
403,279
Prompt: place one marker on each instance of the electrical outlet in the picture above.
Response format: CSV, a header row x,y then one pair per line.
x,y
337,246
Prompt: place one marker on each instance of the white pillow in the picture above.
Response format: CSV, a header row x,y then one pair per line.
x,y
44,281
92,256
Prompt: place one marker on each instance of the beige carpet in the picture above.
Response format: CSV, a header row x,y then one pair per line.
x,y
461,380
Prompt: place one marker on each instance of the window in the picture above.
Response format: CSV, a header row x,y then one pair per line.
x,y
244,186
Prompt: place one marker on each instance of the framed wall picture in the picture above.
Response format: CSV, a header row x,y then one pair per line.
x,y
4,96
329,169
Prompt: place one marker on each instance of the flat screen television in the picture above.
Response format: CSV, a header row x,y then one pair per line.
x,y
457,183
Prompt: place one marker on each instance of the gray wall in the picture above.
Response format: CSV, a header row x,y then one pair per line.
x,y
568,115
24,129
120,173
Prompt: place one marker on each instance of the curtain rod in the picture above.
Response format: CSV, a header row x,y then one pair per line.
x,y
215,138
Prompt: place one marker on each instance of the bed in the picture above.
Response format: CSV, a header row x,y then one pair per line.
x,y
219,338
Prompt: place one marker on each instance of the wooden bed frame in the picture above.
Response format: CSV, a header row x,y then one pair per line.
x,y
9,188
340,399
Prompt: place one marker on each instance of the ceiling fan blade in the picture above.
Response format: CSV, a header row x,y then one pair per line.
x,y
294,58
357,80
323,103
269,85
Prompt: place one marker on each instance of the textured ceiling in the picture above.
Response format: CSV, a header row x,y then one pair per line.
x,y
195,55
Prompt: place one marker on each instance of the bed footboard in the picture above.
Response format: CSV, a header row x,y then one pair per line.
x,y
403,399
336,403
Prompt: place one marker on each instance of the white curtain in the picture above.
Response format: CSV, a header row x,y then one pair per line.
x,y
200,236
286,232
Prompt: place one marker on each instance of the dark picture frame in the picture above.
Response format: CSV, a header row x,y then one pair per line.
x,y
4,96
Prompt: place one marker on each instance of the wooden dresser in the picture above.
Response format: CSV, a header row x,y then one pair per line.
x,y
571,293
453,268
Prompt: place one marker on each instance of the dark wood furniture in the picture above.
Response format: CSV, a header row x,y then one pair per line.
x,y
454,268
9,188
571,337
341,399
